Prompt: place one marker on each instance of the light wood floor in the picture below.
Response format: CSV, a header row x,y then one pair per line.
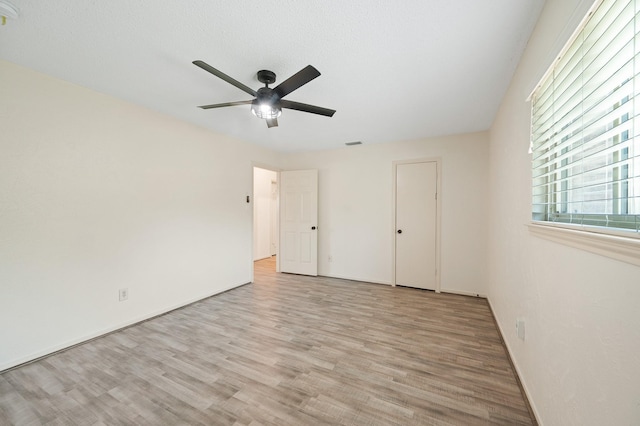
x,y
286,350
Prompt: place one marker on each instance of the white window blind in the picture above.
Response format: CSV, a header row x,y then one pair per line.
x,y
585,128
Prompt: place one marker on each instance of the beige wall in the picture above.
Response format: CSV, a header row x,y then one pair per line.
x,y
97,194
579,361
355,213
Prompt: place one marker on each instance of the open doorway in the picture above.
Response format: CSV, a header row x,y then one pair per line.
x,y
265,217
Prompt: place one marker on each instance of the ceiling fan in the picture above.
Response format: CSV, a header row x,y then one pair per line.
x,y
268,102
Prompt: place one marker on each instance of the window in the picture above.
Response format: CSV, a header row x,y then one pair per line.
x,y
586,127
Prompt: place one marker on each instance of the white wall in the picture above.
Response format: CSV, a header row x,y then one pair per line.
x,y
263,212
97,194
580,360
355,223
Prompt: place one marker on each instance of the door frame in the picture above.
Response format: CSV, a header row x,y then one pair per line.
x,y
264,166
394,172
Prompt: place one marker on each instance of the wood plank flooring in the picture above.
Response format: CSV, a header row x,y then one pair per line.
x,y
286,350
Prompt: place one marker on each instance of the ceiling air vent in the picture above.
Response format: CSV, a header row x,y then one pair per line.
x,y
353,143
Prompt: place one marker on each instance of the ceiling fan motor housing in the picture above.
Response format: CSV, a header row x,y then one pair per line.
x,y
267,95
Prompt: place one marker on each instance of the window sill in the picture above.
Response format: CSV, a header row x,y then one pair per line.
x,y
624,249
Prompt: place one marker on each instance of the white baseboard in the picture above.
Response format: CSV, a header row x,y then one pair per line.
x,y
463,293
262,258
515,366
362,280
99,333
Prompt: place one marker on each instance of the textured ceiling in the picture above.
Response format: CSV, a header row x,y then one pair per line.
x,y
393,70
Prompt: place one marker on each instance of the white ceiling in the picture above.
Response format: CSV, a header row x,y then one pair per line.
x,y
393,70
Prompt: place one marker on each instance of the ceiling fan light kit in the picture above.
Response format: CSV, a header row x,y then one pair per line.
x,y
265,110
268,102
266,105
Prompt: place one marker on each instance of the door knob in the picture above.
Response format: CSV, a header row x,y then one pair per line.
x,y
399,231
313,228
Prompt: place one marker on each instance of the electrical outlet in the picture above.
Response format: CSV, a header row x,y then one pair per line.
x,y
123,294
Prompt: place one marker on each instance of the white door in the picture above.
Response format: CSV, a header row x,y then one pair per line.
x,y
416,224
298,222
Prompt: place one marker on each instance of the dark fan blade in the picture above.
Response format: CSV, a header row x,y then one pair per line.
x,y
300,78
225,77
307,108
272,122
226,104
